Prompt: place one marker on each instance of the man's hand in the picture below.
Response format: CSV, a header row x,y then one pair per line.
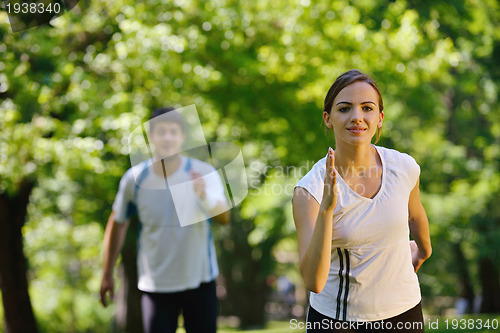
x,y
416,257
199,184
107,285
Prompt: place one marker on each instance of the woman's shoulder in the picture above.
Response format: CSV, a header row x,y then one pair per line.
x,y
395,156
401,163
318,169
313,180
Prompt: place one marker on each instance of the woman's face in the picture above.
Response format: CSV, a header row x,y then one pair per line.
x,y
355,114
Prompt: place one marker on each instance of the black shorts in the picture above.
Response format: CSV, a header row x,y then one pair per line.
x,y
411,321
160,311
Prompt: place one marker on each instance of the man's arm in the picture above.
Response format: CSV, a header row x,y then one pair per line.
x,y
419,229
114,237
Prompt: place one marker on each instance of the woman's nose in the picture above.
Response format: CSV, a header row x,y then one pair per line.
x,y
356,114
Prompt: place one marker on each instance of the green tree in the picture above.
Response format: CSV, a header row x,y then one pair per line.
x,y
72,91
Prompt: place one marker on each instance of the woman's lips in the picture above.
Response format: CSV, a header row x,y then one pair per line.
x,y
356,130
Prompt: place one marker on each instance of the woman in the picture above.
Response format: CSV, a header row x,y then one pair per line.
x,y
354,211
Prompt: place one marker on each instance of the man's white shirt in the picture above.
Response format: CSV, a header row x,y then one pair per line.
x,y
171,257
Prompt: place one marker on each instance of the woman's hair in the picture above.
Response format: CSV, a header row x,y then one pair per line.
x,y
343,81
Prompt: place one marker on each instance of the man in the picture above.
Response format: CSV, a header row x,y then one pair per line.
x,y
176,257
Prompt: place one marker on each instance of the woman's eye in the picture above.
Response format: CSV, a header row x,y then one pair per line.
x,y
367,108
344,109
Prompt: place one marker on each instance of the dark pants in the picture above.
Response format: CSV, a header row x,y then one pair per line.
x,y
160,311
409,321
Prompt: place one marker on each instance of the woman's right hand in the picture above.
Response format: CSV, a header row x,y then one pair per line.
x,y
330,189
314,229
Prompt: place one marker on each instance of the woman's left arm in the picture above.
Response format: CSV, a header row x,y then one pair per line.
x,y
419,229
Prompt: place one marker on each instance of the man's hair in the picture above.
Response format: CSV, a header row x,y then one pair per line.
x,y
172,117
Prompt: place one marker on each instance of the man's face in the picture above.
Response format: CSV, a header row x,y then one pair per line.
x,y
167,139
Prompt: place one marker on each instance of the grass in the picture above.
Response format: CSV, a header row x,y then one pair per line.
x,y
438,325
272,327
432,325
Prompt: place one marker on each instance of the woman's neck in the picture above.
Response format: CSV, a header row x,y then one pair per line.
x,y
355,159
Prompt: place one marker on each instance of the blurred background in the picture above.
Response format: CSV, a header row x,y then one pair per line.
x,y
71,92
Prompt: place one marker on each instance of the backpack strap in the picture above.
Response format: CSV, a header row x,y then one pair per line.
x,y
132,206
144,170
188,165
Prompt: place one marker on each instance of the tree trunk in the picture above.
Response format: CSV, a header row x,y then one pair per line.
x,y
246,293
490,286
18,313
464,278
249,298
244,275
128,298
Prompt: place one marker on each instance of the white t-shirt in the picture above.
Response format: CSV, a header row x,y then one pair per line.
x,y
371,273
170,257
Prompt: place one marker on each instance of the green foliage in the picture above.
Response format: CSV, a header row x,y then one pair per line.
x,y
257,71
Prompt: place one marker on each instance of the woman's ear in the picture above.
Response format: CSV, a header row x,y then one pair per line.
x,y
380,118
326,118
